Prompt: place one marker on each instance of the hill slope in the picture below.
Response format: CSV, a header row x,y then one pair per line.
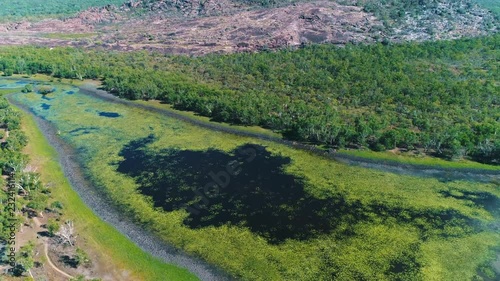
x,y
201,27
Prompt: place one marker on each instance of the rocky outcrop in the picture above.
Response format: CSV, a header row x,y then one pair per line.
x,y
224,26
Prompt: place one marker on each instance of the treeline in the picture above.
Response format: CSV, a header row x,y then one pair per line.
x,y
441,97
12,10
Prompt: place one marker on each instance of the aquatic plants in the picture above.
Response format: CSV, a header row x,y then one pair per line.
x,y
287,214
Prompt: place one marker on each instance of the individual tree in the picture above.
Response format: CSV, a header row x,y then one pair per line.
x,y
52,227
24,259
81,258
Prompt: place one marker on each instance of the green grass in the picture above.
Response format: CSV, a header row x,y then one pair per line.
x,y
114,246
400,221
69,35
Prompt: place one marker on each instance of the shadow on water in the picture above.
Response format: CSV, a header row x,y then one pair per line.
x,y
83,131
109,114
485,200
246,187
249,187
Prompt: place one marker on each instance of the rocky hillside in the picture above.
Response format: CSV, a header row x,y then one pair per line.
x,y
208,26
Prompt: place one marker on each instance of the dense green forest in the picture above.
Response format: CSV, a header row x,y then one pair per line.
x,y
439,97
38,8
492,5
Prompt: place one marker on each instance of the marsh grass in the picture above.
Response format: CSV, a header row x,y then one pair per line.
x,y
380,226
423,160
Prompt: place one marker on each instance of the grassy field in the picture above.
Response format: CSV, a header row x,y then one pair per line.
x,y
285,214
114,248
69,35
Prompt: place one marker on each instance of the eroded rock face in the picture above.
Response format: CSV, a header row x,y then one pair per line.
x,y
256,29
224,26
194,8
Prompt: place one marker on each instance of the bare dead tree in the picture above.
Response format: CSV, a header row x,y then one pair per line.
x,y
66,233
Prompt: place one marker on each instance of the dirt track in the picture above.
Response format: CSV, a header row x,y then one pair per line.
x,y
46,254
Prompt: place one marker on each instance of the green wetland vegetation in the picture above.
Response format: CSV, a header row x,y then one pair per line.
x,y
265,211
49,191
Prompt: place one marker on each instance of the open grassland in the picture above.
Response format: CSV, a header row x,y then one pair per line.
x,y
113,247
264,211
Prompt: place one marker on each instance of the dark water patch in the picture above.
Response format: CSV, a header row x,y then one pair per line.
x,y
44,97
246,187
83,131
45,106
109,114
70,92
249,187
431,222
